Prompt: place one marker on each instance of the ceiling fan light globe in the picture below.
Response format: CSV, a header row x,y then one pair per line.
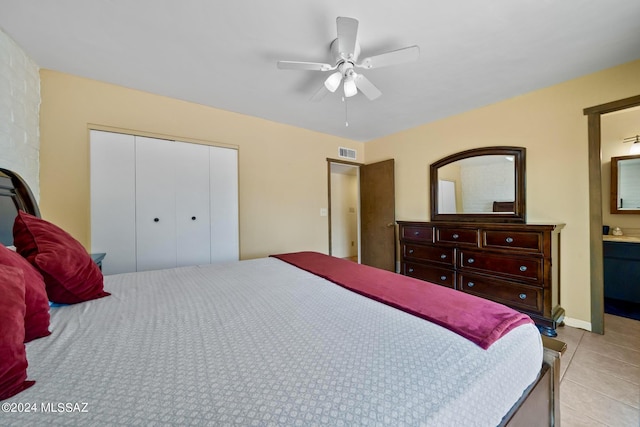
x,y
333,81
350,88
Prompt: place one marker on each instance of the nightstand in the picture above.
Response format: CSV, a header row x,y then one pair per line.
x,y
97,258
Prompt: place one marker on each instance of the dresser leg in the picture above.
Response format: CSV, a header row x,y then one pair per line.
x,y
547,331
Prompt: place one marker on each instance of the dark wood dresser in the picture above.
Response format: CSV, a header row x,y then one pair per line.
x,y
514,264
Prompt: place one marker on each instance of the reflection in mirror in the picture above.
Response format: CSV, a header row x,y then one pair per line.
x,y
625,185
483,184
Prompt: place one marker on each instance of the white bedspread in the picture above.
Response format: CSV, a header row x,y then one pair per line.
x,y
261,342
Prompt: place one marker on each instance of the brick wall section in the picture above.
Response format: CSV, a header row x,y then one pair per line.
x,y
19,113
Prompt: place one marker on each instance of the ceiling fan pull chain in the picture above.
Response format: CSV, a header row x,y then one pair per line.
x,y
346,112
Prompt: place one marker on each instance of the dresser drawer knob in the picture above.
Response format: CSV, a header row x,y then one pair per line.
x,y
471,260
443,256
509,240
523,268
416,233
523,296
455,236
471,284
410,251
410,270
443,277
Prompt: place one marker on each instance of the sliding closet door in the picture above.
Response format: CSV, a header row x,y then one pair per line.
x,y
193,245
112,176
224,204
155,204
159,204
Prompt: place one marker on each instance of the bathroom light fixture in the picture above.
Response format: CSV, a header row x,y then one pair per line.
x,y
635,144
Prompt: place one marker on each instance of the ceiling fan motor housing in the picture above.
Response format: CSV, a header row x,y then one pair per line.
x,y
339,57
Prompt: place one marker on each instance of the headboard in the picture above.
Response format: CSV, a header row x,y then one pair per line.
x,y
15,195
504,206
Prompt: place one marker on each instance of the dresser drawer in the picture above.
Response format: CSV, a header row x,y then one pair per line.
x,y
428,253
530,268
440,276
422,234
513,240
512,294
460,236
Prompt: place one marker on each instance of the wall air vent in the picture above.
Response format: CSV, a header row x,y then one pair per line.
x,y
347,153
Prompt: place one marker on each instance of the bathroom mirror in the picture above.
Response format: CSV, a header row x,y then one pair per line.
x,y
625,185
483,184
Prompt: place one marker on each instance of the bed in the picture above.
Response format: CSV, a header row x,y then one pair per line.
x,y
273,341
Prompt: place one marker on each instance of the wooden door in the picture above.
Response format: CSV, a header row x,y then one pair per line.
x,y
155,204
377,215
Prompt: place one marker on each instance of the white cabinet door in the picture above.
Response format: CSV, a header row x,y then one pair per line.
x,y
155,204
113,204
193,244
223,173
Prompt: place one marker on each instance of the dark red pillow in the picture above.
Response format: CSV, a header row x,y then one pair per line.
x,y
69,273
13,356
36,319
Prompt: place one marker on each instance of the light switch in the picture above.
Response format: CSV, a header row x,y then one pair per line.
x,y
323,211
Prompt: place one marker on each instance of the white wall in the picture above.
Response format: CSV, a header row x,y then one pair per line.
x,y
483,184
344,215
19,113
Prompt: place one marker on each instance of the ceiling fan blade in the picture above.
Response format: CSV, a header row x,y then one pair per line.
x,y
400,56
347,36
320,93
367,88
299,65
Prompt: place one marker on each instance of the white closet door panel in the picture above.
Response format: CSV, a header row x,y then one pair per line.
x,y
112,176
155,204
223,172
192,204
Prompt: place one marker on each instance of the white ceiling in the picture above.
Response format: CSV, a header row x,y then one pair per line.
x,y
223,53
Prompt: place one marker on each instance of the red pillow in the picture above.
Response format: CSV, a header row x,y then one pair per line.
x,y
13,356
69,273
36,319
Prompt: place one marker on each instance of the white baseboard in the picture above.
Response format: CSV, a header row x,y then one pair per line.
x,y
577,323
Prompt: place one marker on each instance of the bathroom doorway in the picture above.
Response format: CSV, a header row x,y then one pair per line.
x,y
594,116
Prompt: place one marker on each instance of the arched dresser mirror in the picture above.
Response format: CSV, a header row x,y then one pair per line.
x,y
480,185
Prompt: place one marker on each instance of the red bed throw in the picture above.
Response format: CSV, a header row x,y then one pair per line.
x,y
480,321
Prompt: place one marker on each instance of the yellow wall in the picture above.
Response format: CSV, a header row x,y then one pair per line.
x,y
283,169
281,194
551,125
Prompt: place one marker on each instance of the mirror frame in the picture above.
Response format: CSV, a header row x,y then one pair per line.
x,y
613,194
519,216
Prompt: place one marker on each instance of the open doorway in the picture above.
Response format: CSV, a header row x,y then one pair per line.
x,y
344,210
373,207
594,115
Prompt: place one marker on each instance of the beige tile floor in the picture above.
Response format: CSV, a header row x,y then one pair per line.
x,y
600,376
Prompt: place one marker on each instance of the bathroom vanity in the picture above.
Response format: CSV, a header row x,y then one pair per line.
x,y
622,268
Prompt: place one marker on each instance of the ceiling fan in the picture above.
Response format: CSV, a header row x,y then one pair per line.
x,y
345,51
